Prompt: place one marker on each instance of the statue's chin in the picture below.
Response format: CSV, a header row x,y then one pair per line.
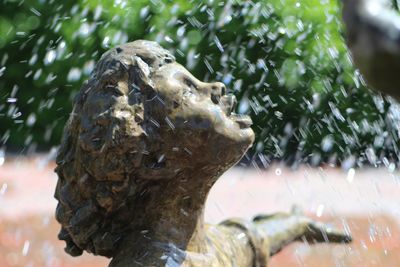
x,y
248,134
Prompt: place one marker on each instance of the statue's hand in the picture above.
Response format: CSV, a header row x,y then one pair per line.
x,y
280,229
317,232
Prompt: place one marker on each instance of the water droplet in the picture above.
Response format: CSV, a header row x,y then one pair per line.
x,y
168,39
33,59
3,189
37,74
35,11
244,105
218,44
16,115
2,70
278,171
97,12
74,75
25,248
187,151
320,210
106,41
350,175
392,167
181,31
88,67
84,30
144,12
2,156
161,158
11,100
371,156
327,143
50,57
31,119
169,122
281,30
348,162
241,236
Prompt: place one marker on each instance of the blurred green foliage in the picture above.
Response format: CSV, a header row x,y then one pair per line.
x,y
284,59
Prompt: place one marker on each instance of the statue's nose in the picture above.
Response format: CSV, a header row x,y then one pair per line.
x,y
214,90
218,88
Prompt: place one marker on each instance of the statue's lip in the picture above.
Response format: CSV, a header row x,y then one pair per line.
x,y
228,104
244,121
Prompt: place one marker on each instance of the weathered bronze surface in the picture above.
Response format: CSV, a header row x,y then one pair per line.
x,y
373,36
143,146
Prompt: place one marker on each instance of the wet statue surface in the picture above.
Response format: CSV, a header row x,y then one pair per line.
x,y
143,146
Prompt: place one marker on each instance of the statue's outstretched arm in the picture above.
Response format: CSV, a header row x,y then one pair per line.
x,y
373,36
270,233
281,229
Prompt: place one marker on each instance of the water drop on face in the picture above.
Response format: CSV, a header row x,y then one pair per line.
x,y
241,236
278,171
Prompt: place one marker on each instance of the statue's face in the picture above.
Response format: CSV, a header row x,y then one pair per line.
x,y
197,118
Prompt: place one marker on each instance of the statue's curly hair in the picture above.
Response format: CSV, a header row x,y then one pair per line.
x,y
102,150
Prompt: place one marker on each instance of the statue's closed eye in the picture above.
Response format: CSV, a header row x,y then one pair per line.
x,y
190,83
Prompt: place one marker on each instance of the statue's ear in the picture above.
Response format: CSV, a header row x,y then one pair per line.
x,y
140,75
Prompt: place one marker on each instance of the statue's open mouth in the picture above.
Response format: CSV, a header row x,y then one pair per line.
x,y
228,104
244,121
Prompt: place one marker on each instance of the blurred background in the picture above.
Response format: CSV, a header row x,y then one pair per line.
x,y
287,63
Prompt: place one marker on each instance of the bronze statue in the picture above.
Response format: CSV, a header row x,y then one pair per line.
x,y
373,36
144,144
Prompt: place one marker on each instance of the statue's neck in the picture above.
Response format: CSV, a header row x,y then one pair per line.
x,y
174,211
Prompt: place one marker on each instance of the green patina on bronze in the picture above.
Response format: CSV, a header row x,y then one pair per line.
x,y
144,144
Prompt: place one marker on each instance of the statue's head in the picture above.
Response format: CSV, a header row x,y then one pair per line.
x,y
140,117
